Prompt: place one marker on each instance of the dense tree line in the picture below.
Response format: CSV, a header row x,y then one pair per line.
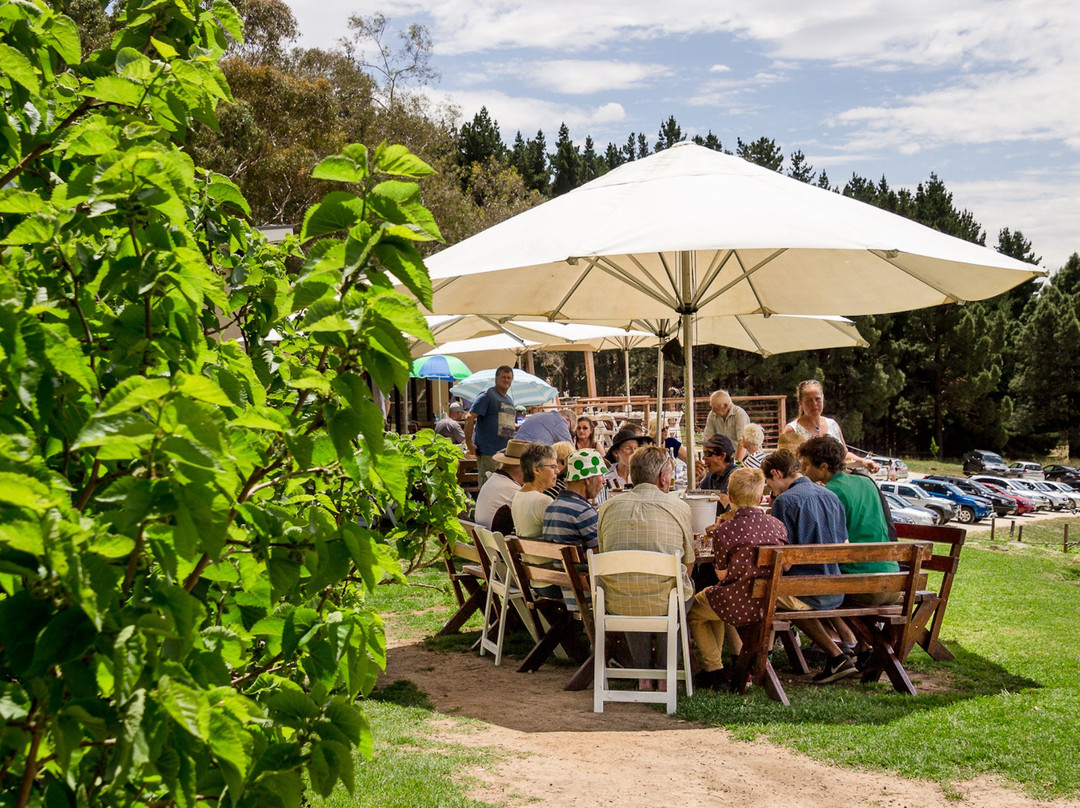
x,y
951,377
948,378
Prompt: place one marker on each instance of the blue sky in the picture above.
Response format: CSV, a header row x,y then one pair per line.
x,y
985,93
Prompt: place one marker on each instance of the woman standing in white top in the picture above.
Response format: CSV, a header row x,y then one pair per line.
x,y
811,423
539,469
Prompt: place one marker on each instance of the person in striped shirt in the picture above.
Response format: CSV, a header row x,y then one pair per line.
x,y
571,517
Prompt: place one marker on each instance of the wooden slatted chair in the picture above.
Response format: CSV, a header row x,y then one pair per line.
x,y
672,624
540,565
502,584
467,565
930,605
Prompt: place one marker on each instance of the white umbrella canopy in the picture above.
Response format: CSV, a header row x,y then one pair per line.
x,y
525,335
692,231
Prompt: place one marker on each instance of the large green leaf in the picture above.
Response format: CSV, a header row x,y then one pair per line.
x,y
230,20
133,393
65,638
222,189
18,68
62,33
23,491
187,706
201,388
13,200
117,90
399,161
404,261
349,166
337,212
399,202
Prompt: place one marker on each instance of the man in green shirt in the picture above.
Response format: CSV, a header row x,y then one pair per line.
x,y
822,460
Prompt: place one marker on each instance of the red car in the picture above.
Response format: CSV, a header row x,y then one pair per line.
x,y
1023,504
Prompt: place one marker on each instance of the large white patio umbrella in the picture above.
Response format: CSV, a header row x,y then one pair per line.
x,y
692,231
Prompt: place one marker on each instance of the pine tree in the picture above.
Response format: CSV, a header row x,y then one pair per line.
x,y
479,140
529,157
710,141
566,164
800,170
764,152
670,133
613,157
642,145
592,164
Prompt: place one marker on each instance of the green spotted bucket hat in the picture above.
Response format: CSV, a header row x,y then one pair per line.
x,y
584,463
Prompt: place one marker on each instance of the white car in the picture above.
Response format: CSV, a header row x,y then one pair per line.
x,y
1027,470
1049,486
918,516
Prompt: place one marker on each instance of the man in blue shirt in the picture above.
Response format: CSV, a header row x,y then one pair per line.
x,y
548,427
812,514
491,422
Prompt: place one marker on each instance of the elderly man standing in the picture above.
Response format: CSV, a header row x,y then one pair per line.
x,y
725,418
491,423
646,518
550,427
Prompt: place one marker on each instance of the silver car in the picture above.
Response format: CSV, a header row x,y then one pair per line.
x,y
918,516
1024,488
1050,491
914,495
1027,470
1071,493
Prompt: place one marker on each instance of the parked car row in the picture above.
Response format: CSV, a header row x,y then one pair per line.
x,y
981,461
973,499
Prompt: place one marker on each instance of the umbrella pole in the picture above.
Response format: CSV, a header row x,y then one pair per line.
x,y
659,391
626,365
688,376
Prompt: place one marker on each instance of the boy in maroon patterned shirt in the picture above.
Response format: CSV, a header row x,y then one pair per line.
x,y
730,601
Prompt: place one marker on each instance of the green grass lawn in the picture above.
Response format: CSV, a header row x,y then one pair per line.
x,y
1012,702
1009,705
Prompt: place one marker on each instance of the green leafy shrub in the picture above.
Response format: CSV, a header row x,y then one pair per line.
x,y
188,523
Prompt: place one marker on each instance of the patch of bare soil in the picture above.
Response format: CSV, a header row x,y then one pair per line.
x,y
558,752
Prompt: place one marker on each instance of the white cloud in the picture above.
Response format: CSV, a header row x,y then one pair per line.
x,y
984,109
577,76
719,69
1044,205
528,114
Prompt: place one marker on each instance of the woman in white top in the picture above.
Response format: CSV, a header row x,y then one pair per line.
x,y
811,423
539,469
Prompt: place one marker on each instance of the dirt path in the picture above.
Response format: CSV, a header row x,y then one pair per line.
x,y
633,755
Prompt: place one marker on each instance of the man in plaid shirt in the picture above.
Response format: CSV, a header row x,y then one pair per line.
x,y
646,517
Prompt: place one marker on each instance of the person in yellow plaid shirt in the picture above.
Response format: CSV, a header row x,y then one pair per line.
x,y
647,517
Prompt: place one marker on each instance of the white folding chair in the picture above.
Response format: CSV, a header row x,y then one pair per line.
x,y
503,583
672,623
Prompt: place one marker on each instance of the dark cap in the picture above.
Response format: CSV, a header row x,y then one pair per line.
x,y
720,442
